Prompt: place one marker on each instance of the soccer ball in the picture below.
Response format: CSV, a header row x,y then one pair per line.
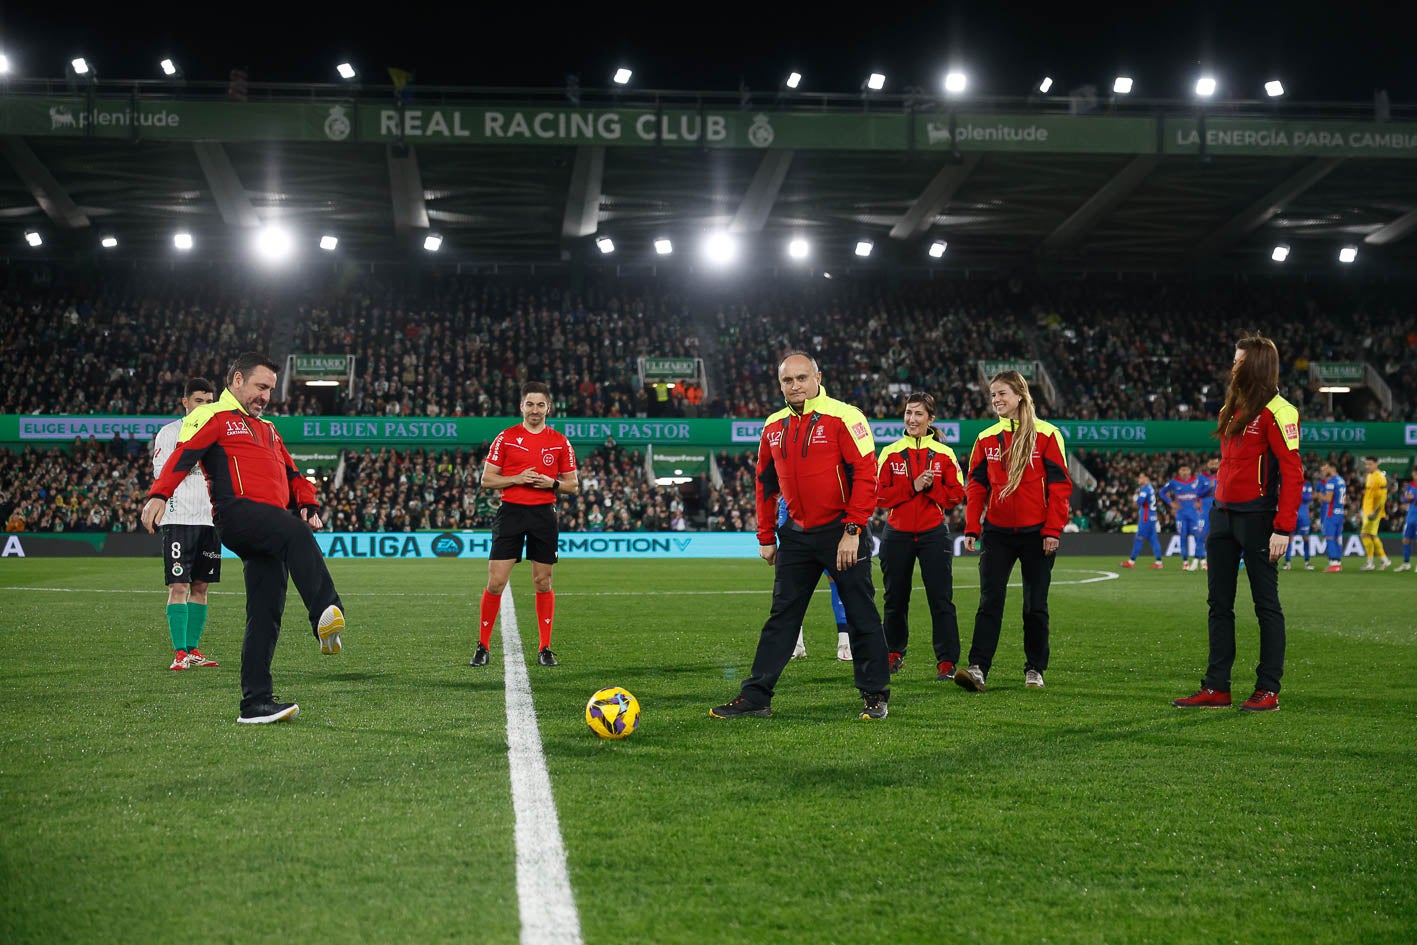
x,y
612,713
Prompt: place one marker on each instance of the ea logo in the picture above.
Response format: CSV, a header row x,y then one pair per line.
x,y
447,545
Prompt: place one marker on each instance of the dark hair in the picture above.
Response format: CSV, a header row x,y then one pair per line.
x,y
1254,383
248,361
536,387
928,402
199,385
1371,459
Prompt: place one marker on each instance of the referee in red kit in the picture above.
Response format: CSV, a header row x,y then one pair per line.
x,y
530,463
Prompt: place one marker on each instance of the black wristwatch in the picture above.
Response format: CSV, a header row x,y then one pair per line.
x,y
853,529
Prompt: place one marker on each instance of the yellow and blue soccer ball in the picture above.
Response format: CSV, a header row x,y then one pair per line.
x,y
613,713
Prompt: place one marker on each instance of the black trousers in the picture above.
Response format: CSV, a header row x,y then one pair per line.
x,y
996,562
1230,534
801,558
273,544
934,549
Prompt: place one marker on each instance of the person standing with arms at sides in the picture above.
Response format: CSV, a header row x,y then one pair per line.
x,y
1016,501
1183,494
1374,507
1332,501
918,481
1256,503
255,488
191,550
818,454
1301,527
1409,527
531,463
1146,523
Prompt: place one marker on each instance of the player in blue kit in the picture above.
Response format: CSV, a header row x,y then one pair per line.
x,y
1331,499
1183,494
1409,528
843,639
1206,477
1301,528
1146,522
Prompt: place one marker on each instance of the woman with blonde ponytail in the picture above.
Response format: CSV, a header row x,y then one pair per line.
x,y
1016,502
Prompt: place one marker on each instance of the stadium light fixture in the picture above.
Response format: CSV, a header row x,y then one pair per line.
x,y
1205,86
622,76
432,242
797,248
109,242
1348,254
1274,88
937,249
1122,85
329,243
955,82
34,239
875,82
720,248
663,246
182,240
1280,253
4,64
80,65
345,70
794,79
1335,390
1046,84
273,243
864,247
168,67
605,244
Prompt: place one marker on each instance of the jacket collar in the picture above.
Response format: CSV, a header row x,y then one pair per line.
x,y
228,401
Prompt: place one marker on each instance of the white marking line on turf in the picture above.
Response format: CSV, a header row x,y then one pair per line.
x,y
544,899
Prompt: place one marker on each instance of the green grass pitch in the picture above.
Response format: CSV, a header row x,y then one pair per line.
x,y
134,809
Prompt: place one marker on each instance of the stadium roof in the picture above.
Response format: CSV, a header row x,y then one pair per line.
x,y
516,177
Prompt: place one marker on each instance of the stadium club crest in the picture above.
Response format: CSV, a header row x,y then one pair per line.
x,y
760,132
337,125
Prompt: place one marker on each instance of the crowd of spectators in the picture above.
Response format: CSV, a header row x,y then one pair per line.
x,y
93,487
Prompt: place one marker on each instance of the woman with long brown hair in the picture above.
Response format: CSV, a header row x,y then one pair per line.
x,y
1256,502
1016,501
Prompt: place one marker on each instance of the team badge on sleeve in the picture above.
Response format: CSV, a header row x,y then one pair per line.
x,y
1291,434
859,430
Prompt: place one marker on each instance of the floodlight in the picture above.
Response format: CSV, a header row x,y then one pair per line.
x,y
663,246
1122,85
1205,86
720,248
33,238
4,64
794,80
1046,84
80,66
955,82
876,82
432,242
1348,254
864,247
1280,253
797,248
622,76
182,240
937,249
168,67
1335,390
1274,88
273,243
606,245
328,243
345,70
109,242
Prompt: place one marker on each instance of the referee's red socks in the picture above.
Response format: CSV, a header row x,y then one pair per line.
x,y
545,613
491,603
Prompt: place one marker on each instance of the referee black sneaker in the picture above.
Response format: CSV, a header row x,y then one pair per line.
x,y
479,656
267,712
545,657
874,705
740,707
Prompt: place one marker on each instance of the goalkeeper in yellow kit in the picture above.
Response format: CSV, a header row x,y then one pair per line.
x,y
1374,505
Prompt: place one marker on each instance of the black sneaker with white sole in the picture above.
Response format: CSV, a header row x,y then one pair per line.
x,y
738,708
874,705
545,657
479,656
266,712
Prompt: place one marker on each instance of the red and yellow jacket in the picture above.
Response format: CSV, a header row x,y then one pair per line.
x,y
822,461
242,456
1040,504
1260,470
900,463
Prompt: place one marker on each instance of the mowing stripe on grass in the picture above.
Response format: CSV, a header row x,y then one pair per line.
x,y
544,899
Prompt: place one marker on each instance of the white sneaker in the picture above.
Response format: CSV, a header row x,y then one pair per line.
x,y
1191,565
1286,565
1033,679
843,647
1308,566
1205,564
971,677
1404,566
1368,567
800,650
1387,563
330,627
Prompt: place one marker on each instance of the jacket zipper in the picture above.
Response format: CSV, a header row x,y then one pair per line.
x,y
236,465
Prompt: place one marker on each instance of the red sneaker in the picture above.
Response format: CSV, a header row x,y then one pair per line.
x,y
1331,569
195,659
897,661
1205,699
1156,566
1261,701
945,670
1129,564
179,661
